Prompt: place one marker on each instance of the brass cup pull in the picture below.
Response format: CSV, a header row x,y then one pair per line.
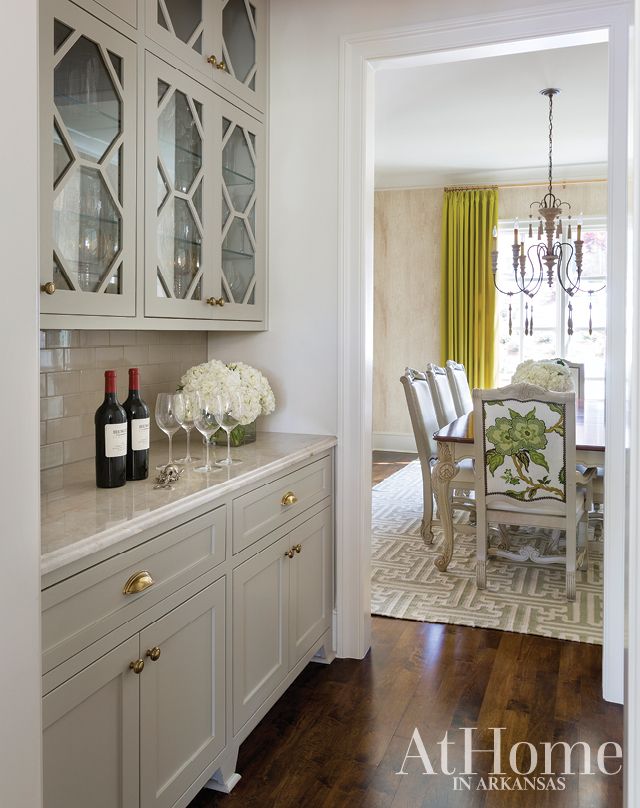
x,y
219,65
138,582
137,666
153,653
49,287
289,498
297,548
289,553
215,301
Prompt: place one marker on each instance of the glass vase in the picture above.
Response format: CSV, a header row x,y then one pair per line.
x,y
241,434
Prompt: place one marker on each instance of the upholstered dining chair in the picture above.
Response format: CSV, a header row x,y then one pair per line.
x,y
459,384
524,444
442,395
425,423
577,374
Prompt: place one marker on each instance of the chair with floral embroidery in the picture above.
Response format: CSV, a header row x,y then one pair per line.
x,y
425,423
524,444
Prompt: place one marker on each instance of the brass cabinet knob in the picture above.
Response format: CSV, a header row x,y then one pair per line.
x,y
215,301
219,65
153,653
297,548
49,287
289,553
138,582
289,498
137,666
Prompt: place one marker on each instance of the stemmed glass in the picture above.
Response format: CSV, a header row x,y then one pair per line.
x,y
167,421
229,414
185,405
206,423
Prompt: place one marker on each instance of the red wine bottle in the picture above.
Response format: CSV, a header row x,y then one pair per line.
x,y
138,426
111,437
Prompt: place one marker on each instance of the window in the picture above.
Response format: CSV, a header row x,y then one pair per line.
x,y
549,309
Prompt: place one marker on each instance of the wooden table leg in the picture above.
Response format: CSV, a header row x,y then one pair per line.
x,y
444,471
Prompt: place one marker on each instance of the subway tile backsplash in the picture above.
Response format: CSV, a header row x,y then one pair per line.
x,y
72,365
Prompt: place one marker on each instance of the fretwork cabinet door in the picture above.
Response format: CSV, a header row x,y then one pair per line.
x,y
90,735
183,204
224,40
87,164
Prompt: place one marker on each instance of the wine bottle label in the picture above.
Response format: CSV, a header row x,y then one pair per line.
x,y
115,440
140,434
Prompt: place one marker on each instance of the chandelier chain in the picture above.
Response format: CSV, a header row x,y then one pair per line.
x,y
550,143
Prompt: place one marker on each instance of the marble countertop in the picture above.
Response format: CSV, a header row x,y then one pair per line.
x,y
80,519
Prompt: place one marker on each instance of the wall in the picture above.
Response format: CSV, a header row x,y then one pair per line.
x,y
72,365
20,671
406,312
407,287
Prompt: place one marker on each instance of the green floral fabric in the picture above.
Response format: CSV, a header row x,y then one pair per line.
x,y
524,449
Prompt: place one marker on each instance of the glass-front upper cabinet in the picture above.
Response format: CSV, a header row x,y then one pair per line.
x,y
181,141
242,243
205,192
88,153
223,39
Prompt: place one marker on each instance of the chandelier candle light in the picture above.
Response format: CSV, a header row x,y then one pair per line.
x,y
549,255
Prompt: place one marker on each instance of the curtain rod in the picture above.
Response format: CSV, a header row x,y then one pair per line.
x,y
518,185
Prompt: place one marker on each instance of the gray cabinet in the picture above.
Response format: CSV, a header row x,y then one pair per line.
x,y
137,726
87,164
205,230
182,696
181,237
224,41
282,603
90,735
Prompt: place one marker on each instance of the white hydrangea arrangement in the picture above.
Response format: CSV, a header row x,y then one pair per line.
x,y
550,374
216,377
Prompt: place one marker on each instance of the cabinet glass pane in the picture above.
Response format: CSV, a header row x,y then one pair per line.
x,y
87,152
179,195
239,39
86,226
180,143
183,18
238,213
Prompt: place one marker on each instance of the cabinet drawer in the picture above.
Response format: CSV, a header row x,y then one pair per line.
x,y
83,608
260,511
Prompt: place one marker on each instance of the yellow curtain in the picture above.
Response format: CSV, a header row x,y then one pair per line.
x,y
468,318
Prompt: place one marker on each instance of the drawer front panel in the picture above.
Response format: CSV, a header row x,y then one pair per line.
x,y
83,608
260,511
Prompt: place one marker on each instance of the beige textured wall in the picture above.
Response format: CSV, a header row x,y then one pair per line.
x,y
407,282
72,365
406,296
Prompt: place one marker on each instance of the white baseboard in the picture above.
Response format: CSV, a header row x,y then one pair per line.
x,y
394,442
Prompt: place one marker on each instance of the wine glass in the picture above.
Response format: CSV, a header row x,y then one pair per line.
x,y
229,414
167,421
185,405
206,423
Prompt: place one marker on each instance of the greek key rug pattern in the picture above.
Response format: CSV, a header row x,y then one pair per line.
x,y
525,598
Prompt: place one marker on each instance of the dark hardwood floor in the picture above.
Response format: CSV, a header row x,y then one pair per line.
x,y
387,463
340,734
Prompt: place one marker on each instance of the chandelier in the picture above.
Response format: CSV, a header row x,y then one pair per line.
x,y
552,254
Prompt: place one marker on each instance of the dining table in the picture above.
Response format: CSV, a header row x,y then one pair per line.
x,y
455,442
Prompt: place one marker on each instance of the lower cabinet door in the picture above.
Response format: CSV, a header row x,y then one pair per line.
x,y
90,735
260,629
311,582
182,696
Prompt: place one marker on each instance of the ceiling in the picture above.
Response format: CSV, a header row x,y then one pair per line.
x,y
483,120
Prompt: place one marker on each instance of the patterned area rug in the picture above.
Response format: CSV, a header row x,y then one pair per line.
x,y
520,597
